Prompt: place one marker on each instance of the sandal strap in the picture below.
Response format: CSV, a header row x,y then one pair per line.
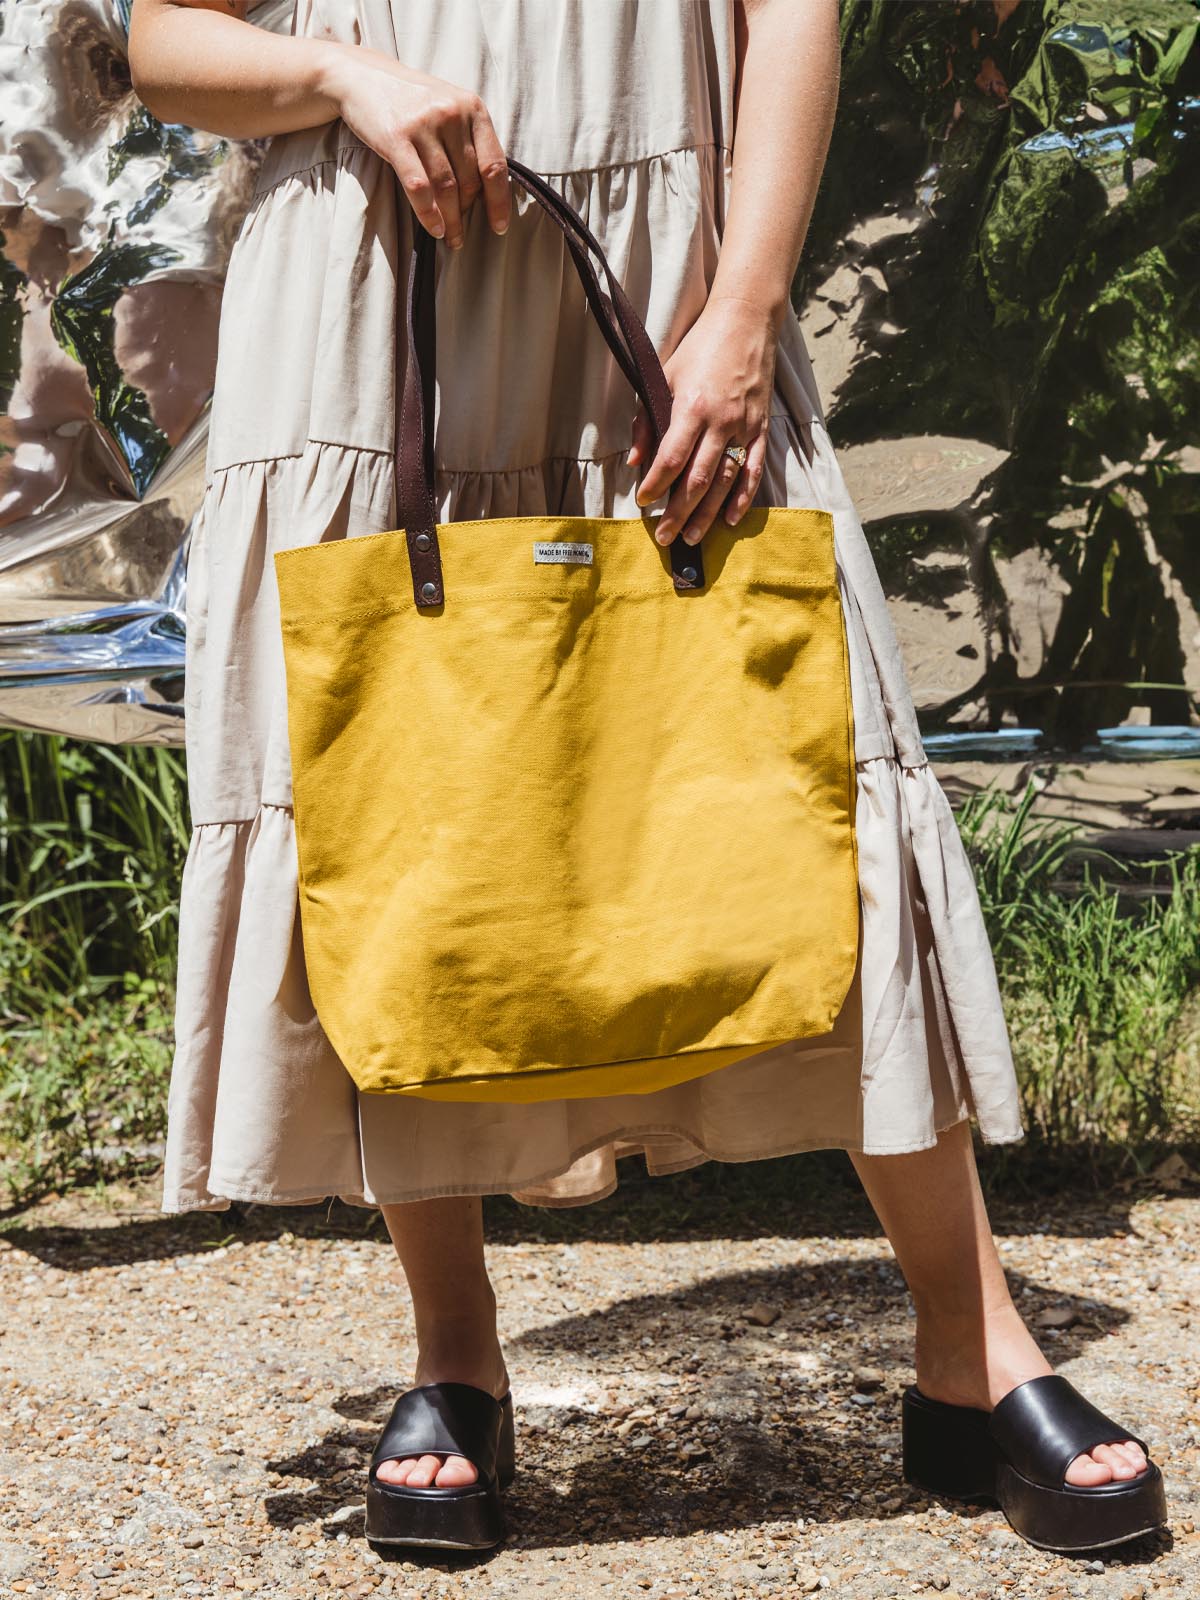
x,y
451,1419
1044,1423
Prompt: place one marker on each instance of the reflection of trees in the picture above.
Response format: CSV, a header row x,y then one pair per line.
x,y
1018,180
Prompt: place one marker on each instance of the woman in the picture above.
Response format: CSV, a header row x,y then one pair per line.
x,y
690,134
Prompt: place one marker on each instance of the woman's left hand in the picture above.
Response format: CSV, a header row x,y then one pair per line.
x,y
722,377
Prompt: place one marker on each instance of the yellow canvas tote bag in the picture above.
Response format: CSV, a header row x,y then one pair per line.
x,y
574,812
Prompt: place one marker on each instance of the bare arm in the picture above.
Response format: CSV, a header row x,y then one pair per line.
x,y
200,62
722,373
790,64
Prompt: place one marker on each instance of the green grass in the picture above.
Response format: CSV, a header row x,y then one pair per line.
x,y
83,1093
1100,985
92,843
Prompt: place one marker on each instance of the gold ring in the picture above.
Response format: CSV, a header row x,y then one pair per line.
x,y
736,452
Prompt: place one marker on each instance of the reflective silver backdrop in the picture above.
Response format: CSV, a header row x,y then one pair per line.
x,y
116,234
1035,523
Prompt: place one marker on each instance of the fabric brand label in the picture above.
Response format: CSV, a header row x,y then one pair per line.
x,y
555,550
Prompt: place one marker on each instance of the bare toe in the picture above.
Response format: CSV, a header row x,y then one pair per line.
x,y
395,1472
1117,1458
1087,1472
1134,1454
1113,1460
456,1473
424,1473
1106,1463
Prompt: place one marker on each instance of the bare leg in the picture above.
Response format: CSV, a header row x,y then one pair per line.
x,y
972,1345
440,1245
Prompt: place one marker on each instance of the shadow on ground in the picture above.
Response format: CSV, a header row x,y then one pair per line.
x,y
814,1194
771,1451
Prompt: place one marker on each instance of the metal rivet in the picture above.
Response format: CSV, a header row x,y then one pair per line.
x,y
689,574
429,591
422,541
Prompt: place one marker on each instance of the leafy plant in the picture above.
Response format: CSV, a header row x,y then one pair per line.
x,y
1102,989
1101,980
92,843
1005,232
83,1091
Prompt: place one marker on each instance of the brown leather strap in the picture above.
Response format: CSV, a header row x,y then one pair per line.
x,y
647,377
414,465
623,330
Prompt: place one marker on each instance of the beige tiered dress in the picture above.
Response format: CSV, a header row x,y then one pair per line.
x,y
627,109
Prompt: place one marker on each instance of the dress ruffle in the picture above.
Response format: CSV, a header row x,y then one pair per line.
x,y
511,393
261,1109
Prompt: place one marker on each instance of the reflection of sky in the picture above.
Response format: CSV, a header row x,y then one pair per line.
x,y
1135,743
143,456
1088,40
1092,144
1097,144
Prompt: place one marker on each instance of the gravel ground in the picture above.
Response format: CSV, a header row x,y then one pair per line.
x,y
190,1403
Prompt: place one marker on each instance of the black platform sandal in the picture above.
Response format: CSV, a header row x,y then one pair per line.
x,y
444,1419
1015,1456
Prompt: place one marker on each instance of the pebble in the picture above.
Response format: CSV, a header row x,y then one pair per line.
x,y
1060,1316
671,1450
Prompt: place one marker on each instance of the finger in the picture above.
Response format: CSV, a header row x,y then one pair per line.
x,y
701,519
643,439
493,171
746,487
414,180
691,486
444,183
460,150
673,454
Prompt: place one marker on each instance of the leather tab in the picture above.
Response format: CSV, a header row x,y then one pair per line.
x,y
1044,1423
450,1419
687,564
425,560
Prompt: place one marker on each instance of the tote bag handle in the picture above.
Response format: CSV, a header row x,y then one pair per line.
x,y
623,330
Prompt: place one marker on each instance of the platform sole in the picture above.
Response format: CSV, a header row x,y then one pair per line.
x,y
449,1520
949,1451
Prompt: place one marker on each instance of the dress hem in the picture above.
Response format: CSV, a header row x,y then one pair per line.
x,y
225,1195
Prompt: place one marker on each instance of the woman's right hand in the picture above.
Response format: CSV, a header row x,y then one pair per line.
x,y
200,62
438,138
